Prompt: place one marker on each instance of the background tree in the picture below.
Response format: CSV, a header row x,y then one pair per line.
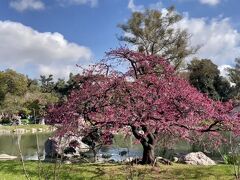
x,y
37,102
154,32
205,76
148,100
61,88
13,86
22,95
11,105
46,83
13,83
234,76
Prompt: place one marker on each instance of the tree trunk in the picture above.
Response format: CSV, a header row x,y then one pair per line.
x,y
148,154
148,142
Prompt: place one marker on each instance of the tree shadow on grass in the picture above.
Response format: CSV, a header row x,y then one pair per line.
x,y
199,172
15,168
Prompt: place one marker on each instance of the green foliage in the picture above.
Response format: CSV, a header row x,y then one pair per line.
x,y
231,158
37,102
22,95
153,32
234,76
5,121
25,121
12,83
47,83
33,85
205,76
12,104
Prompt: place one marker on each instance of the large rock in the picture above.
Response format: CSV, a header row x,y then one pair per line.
x,y
41,121
66,147
196,158
163,161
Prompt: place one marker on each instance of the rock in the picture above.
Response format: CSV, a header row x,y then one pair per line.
x,y
68,146
163,161
51,148
34,130
196,158
123,153
70,150
111,161
67,162
128,159
106,156
16,120
41,121
19,131
131,160
175,159
7,157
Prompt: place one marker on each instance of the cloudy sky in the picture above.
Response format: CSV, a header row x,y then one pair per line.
x,y
52,36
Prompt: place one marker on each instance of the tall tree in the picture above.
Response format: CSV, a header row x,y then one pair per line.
x,y
37,102
47,83
205,76
12,83
141,100
154,32
234,76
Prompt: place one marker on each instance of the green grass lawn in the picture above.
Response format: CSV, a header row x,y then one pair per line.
x,y
11,170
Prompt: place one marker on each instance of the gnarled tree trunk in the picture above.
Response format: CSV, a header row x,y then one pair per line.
x,y
148,155
148,141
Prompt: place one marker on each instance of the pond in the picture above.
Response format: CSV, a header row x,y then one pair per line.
x,y
28,144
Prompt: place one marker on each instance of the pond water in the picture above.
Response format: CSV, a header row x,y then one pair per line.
x,y
28,144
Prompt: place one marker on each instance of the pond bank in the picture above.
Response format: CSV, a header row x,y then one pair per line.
x,y
24,129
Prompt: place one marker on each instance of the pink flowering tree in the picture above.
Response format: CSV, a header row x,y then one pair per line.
x,y
146,99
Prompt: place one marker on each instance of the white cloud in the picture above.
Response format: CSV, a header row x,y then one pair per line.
x,y
223,70
135,8
157,6
219,41
140,8
210,2
22,5
92,3
22,46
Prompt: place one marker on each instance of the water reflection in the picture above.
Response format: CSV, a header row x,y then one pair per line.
x,y
28,144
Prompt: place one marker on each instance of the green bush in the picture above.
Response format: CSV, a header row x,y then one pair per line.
x,y
231,158
6,121
25,121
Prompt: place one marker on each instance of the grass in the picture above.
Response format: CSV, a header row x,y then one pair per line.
x,y
11,170
26,127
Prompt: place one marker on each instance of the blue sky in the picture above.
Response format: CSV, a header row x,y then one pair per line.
x,y
51,36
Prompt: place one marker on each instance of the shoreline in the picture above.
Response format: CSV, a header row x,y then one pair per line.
x,y
26,129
